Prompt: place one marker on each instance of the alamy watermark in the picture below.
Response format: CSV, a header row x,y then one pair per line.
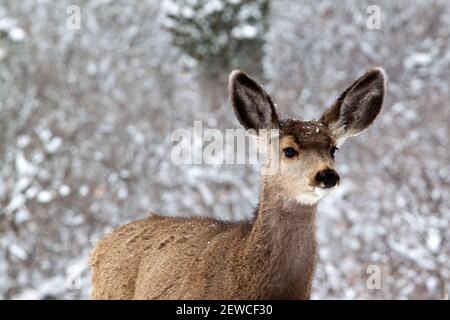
x,y
212,146
73,277
374,279
73,21
374,19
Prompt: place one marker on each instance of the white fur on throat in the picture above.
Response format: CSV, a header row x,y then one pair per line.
x,y
312,197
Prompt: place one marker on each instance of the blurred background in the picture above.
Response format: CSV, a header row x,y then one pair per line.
x,y
87,107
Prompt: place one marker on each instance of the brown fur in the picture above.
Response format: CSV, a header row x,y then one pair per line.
x,y
307,134
271,257
180,258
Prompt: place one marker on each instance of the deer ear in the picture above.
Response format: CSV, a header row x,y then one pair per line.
x,y
357,107
253,106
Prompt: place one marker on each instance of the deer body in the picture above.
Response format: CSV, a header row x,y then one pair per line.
x,y
182,258
272,256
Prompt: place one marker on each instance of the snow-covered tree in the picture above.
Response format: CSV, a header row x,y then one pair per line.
x,y
220,34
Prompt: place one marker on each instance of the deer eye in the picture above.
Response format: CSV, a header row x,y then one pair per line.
x,y
332,151
290,152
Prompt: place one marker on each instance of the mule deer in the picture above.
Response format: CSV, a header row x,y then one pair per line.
x,y
272,256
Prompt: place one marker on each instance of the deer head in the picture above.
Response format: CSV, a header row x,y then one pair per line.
x,y
305,152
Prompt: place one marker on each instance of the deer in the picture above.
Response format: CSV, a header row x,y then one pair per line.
x,y
271,256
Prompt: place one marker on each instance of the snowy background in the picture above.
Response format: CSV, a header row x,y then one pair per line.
x,y
86,116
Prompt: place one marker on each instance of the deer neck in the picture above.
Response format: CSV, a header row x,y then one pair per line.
x,y
282,246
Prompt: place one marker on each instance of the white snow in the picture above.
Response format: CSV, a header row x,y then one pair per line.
x,y
53,145
83,191
433,239
17,201
22,215
122,193
18,251
23,141
17,34
45,196
245,31
23,166
212,6
64,190
419,59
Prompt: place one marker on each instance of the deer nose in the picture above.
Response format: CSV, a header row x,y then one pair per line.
x,y
327,178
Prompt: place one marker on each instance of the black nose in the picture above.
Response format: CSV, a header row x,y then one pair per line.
x,y
327,178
